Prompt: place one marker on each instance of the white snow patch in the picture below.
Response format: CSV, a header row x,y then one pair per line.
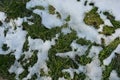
x,y
66,30
48,20
2,38
34,3
35,44
94,71
94,51
106,21
2,16
15,40
117,50
108,60
18,21
78,48
113,75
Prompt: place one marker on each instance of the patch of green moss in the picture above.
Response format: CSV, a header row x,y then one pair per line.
x,y
108,49
51,9
14,8
108,30
5,63
37,30
5,47
92,18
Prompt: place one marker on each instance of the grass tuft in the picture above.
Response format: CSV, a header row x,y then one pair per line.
x,y
92,18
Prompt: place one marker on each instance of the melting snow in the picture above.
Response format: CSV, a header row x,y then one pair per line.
x,y
111,6
15,38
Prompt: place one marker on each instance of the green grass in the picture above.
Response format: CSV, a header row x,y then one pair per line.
x,y
108,30
80,76
108,49
25,45
114,65
83,41
5,63
32,60
106,72
92,18
14,8
38,30
83,60
56,63
114,22
51,9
